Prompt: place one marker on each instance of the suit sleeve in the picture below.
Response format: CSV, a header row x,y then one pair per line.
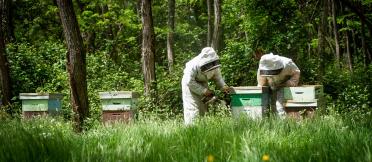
x,y
261,81
189,78
218,79
294,75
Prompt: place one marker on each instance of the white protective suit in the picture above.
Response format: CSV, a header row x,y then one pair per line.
x,y
276,72
195,83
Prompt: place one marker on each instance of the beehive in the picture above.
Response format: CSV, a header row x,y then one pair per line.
x,y
305,93
302,101
40,103
118,105
250,100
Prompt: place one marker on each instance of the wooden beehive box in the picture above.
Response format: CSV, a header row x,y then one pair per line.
x,y
249,100
303,93
34,104
302,101
118,106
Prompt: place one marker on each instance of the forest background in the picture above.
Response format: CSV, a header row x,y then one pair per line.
x,y
143,46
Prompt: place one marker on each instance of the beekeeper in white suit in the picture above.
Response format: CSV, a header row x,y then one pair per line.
x,y
197,73
277,72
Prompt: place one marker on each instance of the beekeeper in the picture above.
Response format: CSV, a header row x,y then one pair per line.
x,y
197,73
277,72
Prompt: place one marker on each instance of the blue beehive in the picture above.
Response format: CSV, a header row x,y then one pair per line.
x,y
40,103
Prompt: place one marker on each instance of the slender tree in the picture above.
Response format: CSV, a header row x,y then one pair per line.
x,y
348,54
170,39
364,44
210,24
335,32
217,25
76,63
148,47
321,35
4,64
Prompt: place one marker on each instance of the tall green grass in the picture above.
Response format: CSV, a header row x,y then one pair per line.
x,y
326,138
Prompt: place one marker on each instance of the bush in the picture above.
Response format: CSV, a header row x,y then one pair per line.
x,y
351,94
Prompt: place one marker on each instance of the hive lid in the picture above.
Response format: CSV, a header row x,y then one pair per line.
x,y
40,96
316,85
118,94
249,90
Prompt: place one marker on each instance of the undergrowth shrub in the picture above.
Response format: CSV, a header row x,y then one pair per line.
x,y
351,94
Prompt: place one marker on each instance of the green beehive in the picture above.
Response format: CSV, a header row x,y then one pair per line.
x,y
118,105
249,100
40,103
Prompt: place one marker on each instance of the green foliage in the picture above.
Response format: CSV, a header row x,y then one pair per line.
x,y
167,102
38,68
355,99
238,65
35,20
104,75
271,25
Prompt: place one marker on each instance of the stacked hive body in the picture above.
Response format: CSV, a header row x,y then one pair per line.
x,y
250,100
302,100
34,104
118,105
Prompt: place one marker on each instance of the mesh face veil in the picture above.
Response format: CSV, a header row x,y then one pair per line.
x,y
209,60
210,73
270,64
210,66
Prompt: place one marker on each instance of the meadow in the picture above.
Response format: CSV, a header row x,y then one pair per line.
x,y
324,138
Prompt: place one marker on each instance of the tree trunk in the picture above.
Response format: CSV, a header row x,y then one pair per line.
x,y
210,26
217,25
76,63
348,54
170,42
4,64
364,46
148,47
354,45
321,37
7,25
335,31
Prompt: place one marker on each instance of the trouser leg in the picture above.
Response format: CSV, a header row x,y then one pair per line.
x,y
192,108
202,109
277,102
280,102
272,102
189,115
